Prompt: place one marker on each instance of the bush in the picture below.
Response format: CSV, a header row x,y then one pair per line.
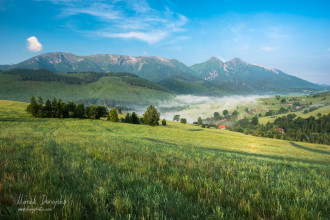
x,y
183,120
164,122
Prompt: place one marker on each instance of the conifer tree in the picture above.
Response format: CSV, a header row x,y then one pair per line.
x,y
33,108
92,113
80,113
113,115
128,118
48,109
151,116
135,119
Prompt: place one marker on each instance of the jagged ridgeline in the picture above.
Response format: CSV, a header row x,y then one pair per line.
x,y
112,88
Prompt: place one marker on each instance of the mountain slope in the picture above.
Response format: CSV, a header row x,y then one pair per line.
x,y
186,83
151,68
234,74
90,88
240,74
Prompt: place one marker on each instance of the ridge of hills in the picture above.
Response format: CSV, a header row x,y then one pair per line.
x,y
236,74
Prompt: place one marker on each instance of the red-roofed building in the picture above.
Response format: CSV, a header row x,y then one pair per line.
x,y
223,127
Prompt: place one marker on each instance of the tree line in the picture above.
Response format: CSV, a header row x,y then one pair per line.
x,y
69,78
289,127
59,109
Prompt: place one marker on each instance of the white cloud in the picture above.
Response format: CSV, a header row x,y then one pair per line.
x,y
268,49
128,19
33,44
145,52
328,50
150,38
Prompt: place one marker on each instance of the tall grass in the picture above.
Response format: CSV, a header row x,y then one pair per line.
x,y
109,170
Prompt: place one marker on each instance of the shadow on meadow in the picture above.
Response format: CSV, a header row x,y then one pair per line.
x,y
309,149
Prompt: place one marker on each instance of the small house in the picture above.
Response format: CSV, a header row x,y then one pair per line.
x,y
223,127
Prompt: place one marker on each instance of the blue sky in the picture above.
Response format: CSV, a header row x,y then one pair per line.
x,y
293,36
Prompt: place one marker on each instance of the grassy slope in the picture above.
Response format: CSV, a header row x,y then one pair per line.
x,y
182,86
107,88
179,171
324,111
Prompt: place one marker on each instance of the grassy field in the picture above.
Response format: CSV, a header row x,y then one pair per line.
x,y
105,90
109,170
324,111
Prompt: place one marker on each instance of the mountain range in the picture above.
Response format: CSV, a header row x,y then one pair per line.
x,y
212,75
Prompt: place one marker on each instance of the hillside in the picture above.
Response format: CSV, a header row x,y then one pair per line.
x,y
248,77
116,170
186,83
234,74
90,88
151,68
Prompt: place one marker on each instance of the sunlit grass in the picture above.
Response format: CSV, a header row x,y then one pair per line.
x,y
114,170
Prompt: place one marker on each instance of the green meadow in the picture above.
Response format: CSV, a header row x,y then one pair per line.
x,y
98,92
107,170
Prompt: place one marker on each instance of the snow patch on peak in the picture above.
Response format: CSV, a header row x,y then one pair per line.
x,y
132,60
163,59
267,68
213,74
225,67
221,59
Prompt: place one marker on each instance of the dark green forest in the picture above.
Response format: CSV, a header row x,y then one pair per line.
x,y
68,78
59,109
290,127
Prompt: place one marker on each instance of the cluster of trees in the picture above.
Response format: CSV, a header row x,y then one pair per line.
x,y
69,78
177,118
59,109
313,130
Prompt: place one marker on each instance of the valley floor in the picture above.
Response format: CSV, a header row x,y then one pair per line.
x,y
115,170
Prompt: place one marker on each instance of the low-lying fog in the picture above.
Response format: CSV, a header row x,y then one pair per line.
x,y
191,107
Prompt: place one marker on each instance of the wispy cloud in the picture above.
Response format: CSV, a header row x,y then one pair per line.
x,y
268,49
126,19
276,33
151,37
